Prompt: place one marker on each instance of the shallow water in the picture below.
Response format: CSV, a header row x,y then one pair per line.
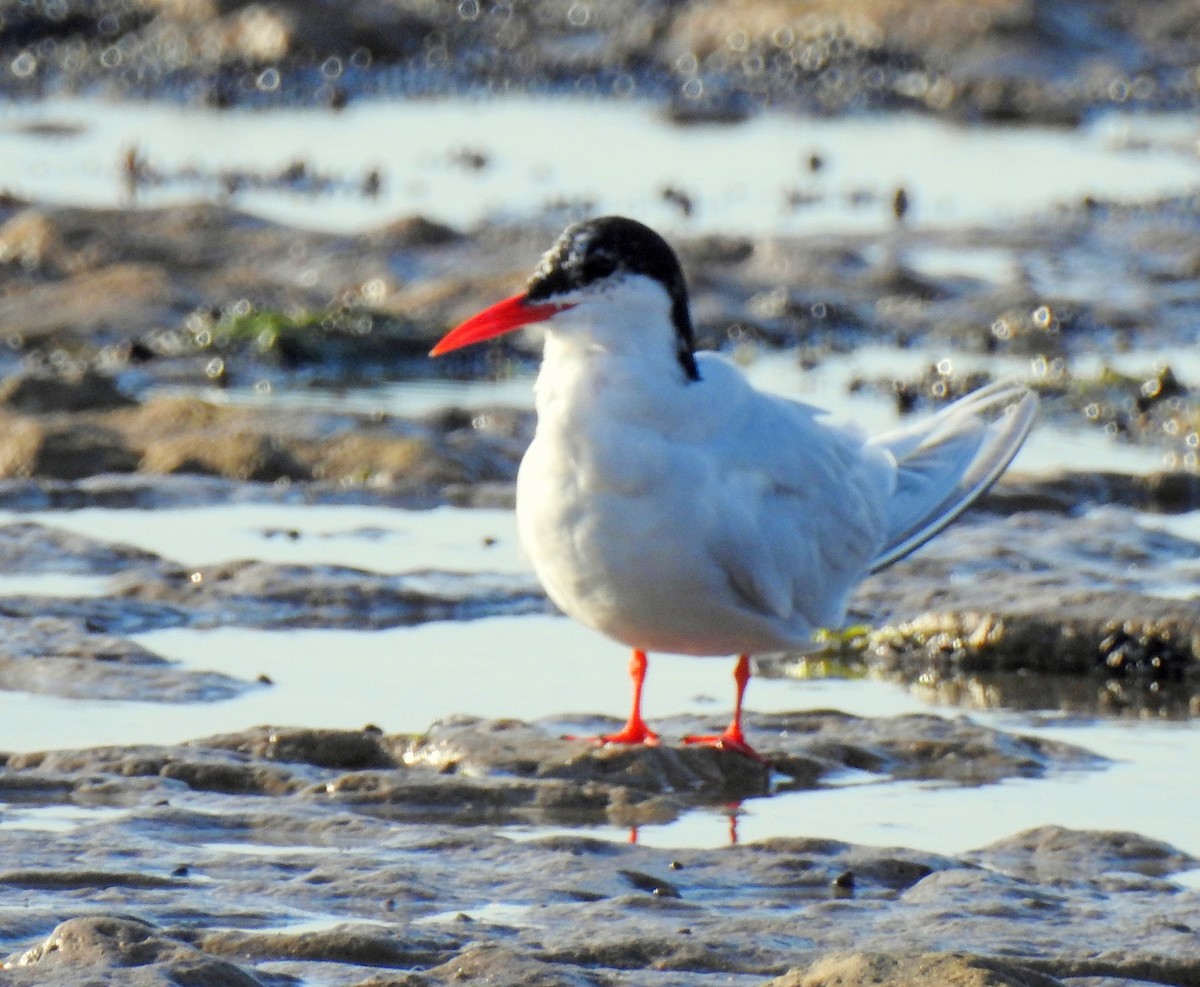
x,y
376,538
403,679
619,158
529,667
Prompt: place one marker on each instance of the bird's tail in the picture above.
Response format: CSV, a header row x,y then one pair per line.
x,y
947,461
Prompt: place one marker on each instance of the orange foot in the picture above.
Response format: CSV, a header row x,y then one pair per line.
x,y
634,732
731,740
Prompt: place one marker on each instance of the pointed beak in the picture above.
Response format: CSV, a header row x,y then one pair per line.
x,y
505,316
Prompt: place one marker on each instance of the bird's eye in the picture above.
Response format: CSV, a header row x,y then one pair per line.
x,y
598,266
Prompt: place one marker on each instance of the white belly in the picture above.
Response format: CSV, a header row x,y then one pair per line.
x,y
615,554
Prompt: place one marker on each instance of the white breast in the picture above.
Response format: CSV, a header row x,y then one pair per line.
x,y
694,518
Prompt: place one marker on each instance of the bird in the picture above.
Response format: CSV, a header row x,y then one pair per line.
x,y
667,503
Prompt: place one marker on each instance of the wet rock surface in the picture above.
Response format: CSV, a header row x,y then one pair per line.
x,y
88,355
193,356
471,772
255,856
397,845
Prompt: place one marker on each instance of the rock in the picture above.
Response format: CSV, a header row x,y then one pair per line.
x,y
68,451
913,970
493,964
263,594
1055,854
106,300
361,945
81,949
28,547
42,393
47,655
29,239
414,231
237,455
346,750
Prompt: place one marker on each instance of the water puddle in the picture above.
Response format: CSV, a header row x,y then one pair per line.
x,y
380,539
1140,792
55,584
404,679
58,818
531,667
491,913
465,162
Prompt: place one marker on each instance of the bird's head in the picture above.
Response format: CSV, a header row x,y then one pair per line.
x,y
610,271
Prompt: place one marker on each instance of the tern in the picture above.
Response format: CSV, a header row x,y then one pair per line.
x,y
667,503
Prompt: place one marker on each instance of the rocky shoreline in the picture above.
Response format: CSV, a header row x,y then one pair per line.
x,y
357,858
194,356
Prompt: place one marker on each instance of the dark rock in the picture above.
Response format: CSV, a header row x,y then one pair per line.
x,y
416,231
341,749
42,393
28,547
261,594
1054,854
650,884
43,654
67,451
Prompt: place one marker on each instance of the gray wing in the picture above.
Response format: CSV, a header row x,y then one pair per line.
x,y
946,462
801,514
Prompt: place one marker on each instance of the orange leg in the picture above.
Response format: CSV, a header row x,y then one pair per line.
x,y
635,730
732,739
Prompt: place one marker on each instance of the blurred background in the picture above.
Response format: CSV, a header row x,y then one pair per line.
x,y
274,675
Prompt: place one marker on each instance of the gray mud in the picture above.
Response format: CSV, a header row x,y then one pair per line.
x,y
265,887
339,856
359,857
997,60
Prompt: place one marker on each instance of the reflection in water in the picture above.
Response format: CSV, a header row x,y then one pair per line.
x,y
1068,695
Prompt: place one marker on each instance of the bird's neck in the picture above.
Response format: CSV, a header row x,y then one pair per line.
x,y
591,377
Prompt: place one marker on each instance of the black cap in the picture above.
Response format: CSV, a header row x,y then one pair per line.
x,y
596,249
